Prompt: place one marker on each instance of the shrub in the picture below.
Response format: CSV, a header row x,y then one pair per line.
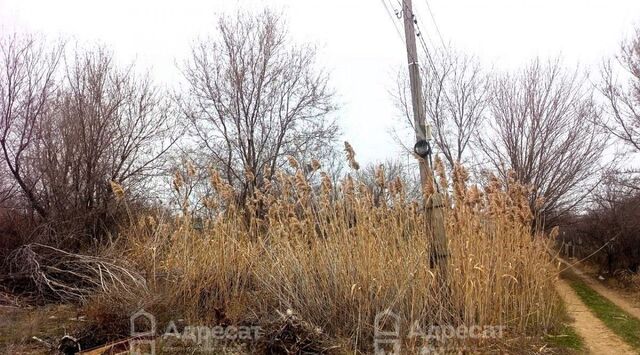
x,y
608,233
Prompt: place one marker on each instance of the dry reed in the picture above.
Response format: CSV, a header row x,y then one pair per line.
x,y
335,258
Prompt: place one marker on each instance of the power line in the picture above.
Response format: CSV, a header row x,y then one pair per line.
x,y
425,47
417,31
420,36
445,47
393,19
435,24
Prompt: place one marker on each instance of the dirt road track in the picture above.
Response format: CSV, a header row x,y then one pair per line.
x,y
598,339
610,294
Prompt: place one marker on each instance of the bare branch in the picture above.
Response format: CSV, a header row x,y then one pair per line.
x,y
543,129
252,98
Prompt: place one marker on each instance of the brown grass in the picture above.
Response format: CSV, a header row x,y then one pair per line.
x,y
335,262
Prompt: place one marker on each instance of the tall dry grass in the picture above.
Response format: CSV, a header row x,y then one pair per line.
x,y
336,257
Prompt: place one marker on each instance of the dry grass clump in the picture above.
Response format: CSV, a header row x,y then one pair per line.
x,y
335,257
629,279
288,334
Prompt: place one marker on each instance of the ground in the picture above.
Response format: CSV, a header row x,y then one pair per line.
x,y
597,337
605,317
628,300
603,320
35,330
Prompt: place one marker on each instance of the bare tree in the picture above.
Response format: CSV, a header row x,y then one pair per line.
x,y
8,188
624,98
543,129
27,83
253,98
68,134
109,125
456,90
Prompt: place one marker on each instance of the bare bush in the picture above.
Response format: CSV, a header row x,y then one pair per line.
x,y
253,98
543,130
109,125
608,231
68,133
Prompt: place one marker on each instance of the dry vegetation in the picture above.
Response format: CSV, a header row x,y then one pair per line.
x,y
253,231
335,262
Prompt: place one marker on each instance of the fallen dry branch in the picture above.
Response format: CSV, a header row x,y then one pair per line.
x,y
68,276
289,334
7,299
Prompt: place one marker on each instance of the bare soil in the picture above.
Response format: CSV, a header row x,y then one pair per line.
x,y
36,330
598,338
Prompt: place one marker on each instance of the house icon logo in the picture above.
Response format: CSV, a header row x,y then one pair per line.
x,y
387,333
143,331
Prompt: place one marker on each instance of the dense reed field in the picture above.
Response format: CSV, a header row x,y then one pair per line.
x,y
334,256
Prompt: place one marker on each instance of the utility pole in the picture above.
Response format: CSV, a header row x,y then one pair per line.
x,y
435,203
419,121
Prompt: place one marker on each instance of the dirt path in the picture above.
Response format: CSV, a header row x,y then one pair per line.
x,y
610,294
598,339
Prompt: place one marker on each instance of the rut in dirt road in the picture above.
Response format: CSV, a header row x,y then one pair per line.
x,y
598,338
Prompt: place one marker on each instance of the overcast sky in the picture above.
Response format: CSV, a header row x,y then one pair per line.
x,y
356,38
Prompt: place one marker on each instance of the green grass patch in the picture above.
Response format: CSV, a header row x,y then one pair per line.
x,y
565,338
620,322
